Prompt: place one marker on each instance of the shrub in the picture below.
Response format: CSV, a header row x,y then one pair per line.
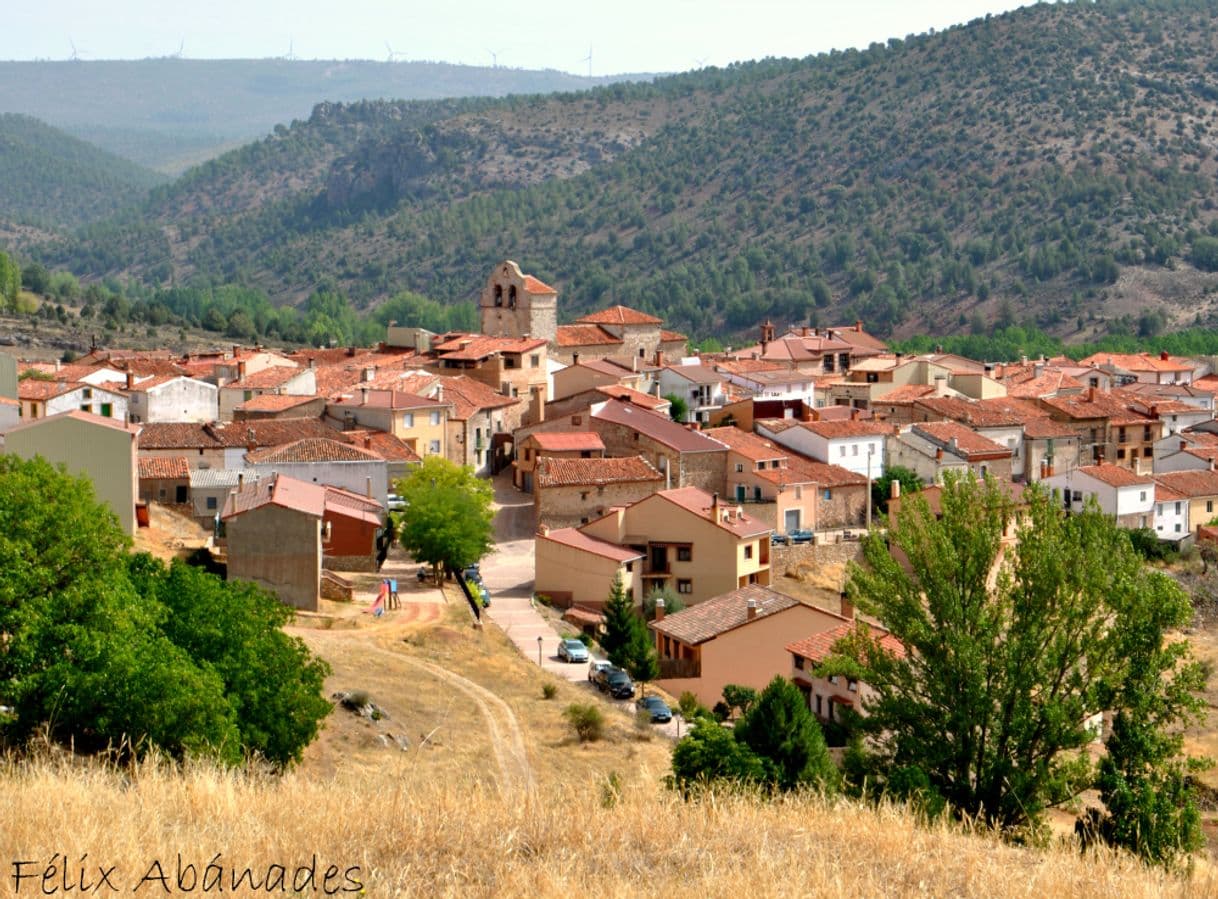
x,y
549,690
586,720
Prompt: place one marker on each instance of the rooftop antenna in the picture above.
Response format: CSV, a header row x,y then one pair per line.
x,y
588,60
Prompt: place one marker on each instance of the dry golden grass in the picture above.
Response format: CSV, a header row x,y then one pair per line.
x,y
410,834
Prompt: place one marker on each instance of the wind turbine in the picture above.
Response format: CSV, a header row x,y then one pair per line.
x,y
181,45
588,60
291,55
393,57
494,58
75,57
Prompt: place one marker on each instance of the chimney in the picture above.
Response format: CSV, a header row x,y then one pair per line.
x,y
806,414
1163,355
752,609
251,442
659,608
240,480
1038,369
1023,360
659,358
847,607
236,350
368,484
350,351
940,385
130,380
955,446
57,365
1091,394
858,326
894,492
575,358
439,392
938,454
367,441
1044,468
543,530
715,507
854,414
240,370
312,362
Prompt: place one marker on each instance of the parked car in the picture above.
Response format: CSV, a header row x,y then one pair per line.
x,y
572,650
619,684
395,503
656,707
778,539
473,573
800,536
597,672
483,594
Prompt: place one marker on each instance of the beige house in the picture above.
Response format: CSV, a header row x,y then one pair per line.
x,y
104,449
691,541
584,376
571,492
556,445
575,569
739,637
827,696
514,367
420,422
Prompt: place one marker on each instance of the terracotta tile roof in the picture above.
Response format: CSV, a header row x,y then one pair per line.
x,y
607,367
1164,494
216,435
720,614
552,472
823,473
747,444
282,491
1112,405
388,447
819,647
352,505
698,501
583,335
273,402
536,285
1209,453
577,539
619,315
777,425
1049,383
275,376
697,374
312,449
630,395
1114,475
472,347
842,413
469,397
387,399
979,414
840,430
1047,428
164,469
1190,483
904,395
857,337
1139,362
566,441
748,366
961,440
672,336
657,427
37,389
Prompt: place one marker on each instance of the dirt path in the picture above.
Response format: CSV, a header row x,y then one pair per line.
x,y
377,659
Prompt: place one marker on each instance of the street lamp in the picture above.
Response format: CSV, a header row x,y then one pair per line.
x,y
539,650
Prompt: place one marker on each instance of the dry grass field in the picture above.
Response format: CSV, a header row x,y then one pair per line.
x,y
497,801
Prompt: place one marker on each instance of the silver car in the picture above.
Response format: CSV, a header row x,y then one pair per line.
x,y
572,650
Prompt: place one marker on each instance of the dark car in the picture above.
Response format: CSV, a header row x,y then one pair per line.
x,y
473,573
656,707
800,536
597,672
619,684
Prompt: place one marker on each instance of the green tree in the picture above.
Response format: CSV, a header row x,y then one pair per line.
x,y
620,620
710,754
780,729
448,521
678,408
1009,654
672,601
641,660
881,487
738,698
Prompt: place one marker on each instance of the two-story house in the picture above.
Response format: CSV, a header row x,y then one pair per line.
x,y
1122,494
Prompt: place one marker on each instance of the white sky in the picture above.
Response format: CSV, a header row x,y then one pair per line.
x,y
624,36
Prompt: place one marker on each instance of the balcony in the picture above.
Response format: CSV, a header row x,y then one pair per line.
x,y
674,668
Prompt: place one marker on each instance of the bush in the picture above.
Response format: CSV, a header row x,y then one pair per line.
x,y
1149,546
586,720
549,690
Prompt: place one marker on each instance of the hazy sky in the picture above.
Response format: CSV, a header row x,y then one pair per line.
x,y
624,36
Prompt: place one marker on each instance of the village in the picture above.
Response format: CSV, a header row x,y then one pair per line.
x,y
738,482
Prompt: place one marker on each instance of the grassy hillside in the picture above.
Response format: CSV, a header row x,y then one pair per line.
x,y
49,178
171,113
1054,165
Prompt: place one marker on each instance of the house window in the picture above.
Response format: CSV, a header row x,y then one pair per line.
x,y
86,407
841,450
1121,436
1120,454
87,393
211,504
583,496
1146,433
827,495
748,551
833,678
852,685
629,567
854,450
535,361
1142,496
739,467
799,663
818,701
247,395
1177,508
685,586
408,420
435,417
1209,505
685,553
799,492
434,446
1078,496
761,465
1177,527
107,410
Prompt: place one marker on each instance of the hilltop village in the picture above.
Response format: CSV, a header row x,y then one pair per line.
x,y
679,472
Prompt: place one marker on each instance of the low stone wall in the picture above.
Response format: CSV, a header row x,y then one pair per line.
x,y
816,554
349,563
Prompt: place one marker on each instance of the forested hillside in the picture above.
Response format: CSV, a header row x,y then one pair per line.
x,y
50,179
1053,166
169,113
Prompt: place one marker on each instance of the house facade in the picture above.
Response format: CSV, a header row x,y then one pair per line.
x,y
1121,494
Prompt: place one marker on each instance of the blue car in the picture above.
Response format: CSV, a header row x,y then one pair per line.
x,y
656,707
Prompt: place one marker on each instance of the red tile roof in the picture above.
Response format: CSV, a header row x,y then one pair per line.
x,y
387,399
388,447
962,440
76,415
1112,405
840,430
1139,362
215,435
619,315
38,389
657,427
274,376
698,501
747,444
819,647
282,491
583,335
552,472
273,402
472,347
630,395
164,469
1046,428
566,441
672,337
313,449
823,473
577,539
723,613
470,397
536,285
1190,483
1114,475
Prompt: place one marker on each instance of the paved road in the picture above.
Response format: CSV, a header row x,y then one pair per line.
x,y
508,574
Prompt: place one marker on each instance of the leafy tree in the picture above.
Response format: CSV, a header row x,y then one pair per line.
x,y
672,601
1204,254
710,754
881,487
620,620
780,729
678,408
641,661
448,521
1009,665
738,698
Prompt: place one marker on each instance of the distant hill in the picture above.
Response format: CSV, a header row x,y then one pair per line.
x,y
171,113
1054,165
51,179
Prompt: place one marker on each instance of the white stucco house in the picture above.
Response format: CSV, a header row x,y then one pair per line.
x,y
1127,497
172,398
855,445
